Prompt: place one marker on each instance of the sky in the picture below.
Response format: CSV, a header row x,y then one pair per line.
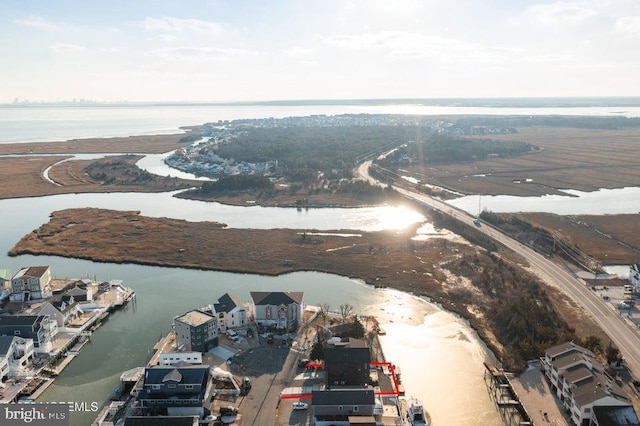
x,y
235,50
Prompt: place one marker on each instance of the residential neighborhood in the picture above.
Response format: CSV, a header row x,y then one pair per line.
x,y
44,322
221,356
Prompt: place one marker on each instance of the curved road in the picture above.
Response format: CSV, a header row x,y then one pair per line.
x,y
624,335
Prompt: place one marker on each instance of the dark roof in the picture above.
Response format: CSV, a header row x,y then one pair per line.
x,y
196,374
20,320
347,355
351,342
615,416
595,388
5,343
159,421
33,271
562,348
227,303
343,397
276,298
76,291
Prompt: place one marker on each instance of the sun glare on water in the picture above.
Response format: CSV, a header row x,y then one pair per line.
x,y
392,217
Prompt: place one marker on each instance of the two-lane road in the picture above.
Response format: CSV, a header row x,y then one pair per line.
x,y
623,334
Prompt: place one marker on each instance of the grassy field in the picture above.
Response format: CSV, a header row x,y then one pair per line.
x,y
610,240
451,273
580,159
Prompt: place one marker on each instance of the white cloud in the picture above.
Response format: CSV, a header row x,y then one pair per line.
x,y
386,7
198,54
39,23
66,48
297,51
166,38
405,45
560,12
629,26
171,24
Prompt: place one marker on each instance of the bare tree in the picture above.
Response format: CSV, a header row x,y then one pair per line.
x,y
324,311
345,310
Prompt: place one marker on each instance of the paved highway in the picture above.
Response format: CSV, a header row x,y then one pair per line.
x,y
624,335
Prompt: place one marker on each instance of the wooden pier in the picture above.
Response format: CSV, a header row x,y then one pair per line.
x,y
507,402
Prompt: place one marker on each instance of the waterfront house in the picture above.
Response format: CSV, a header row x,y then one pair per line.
x,y
278,308
231,312
15,354
40,328
61,311
581,383
176,391
347,366
196,331
342,406
32,283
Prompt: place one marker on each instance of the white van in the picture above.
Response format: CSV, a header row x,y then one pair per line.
x,y
628,289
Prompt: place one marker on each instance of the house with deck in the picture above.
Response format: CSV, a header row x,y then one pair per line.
x,y
176,391
231,312
282,309
40,328
16,353
31,284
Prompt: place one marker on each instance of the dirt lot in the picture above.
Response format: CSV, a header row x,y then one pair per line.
x,y
580,159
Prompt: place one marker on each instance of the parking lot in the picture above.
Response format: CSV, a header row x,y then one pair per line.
x,y
269,367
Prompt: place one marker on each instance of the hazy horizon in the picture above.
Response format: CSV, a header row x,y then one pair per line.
x,y
224,51
567,102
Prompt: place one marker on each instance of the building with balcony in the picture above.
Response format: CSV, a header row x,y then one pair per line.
x,y
40,328
176,391
31,284
583,386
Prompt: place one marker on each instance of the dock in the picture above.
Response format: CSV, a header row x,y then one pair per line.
x,y
505,398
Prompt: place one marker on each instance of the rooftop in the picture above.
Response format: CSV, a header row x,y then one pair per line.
x,y
343,397
32,271
563,348
227,303
276,298
195,318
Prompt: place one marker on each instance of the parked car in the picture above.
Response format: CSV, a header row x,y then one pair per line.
x,y
300,405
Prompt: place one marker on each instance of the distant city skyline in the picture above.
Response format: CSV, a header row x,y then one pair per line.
x,y
226,51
